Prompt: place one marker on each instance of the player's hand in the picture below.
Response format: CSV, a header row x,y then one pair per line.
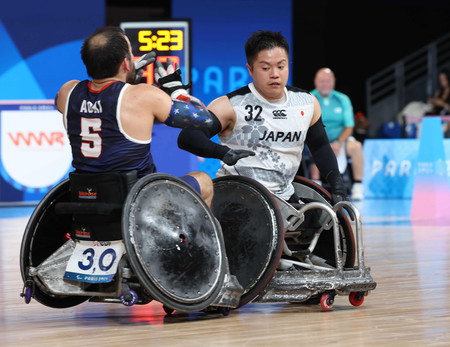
x,y
169,80
141,63
338,197
233,155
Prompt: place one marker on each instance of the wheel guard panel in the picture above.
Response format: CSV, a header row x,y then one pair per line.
x,y
248,217
172,239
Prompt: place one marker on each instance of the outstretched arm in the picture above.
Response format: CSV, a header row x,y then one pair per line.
x,y
186,110
198,142
194,139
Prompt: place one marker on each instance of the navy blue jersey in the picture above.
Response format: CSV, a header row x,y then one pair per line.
x,y
98,141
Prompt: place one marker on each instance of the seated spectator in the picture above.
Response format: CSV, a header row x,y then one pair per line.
x,y
441,100
362,125
337,115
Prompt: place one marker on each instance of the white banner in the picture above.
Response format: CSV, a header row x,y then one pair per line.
x,y
35,150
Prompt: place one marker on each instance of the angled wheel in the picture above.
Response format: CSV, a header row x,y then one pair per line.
x,y
173,243
253,231
44,234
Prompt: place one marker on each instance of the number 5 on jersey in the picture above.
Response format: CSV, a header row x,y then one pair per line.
x,y
91,142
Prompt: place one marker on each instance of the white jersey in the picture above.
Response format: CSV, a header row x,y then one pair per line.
x,y
275,132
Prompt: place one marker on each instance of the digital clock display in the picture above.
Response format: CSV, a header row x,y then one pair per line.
x,y
169,39
161,40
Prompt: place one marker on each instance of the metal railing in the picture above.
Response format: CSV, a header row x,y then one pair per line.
x,y
413,78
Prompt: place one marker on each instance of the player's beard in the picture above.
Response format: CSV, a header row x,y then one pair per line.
x,y
131,74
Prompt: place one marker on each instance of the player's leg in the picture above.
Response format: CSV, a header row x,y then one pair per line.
x,y
355,152
202,183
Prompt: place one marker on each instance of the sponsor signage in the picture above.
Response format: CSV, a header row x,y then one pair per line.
x,y
35,150
391,167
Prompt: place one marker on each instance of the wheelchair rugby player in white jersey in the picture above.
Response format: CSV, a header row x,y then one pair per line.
x,y
263,127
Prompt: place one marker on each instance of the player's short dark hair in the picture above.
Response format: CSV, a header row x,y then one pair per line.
x,y
262,40
103,52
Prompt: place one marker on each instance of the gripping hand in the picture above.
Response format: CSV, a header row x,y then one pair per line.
x,y
233,155
169,80
337,197
141,63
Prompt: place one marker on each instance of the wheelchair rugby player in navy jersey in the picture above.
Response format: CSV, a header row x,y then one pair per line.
x,y
91,237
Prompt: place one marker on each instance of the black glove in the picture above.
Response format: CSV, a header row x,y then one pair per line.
x,y
337,187
233,155
338,197
141,63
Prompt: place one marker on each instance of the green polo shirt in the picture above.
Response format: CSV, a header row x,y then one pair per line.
x,y
337,113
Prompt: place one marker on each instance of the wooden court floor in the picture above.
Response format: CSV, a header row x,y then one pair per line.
x,y
409,307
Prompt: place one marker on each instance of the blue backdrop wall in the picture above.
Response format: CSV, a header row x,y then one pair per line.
x,y
41,43
40,51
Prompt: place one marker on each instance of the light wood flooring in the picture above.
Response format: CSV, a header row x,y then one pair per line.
x,y
409,307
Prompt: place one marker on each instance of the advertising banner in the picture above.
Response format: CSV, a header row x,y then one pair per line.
x,y
34,148
390,167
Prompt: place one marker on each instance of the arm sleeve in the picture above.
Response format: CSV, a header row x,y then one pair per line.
x,y
324,157
198,141
191,115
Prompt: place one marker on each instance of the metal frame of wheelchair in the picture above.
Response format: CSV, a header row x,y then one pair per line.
x,y
319,265
314,260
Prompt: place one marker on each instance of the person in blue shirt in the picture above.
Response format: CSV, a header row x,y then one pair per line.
x,y
337,115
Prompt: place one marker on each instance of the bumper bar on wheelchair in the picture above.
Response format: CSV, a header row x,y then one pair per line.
x,y
300,285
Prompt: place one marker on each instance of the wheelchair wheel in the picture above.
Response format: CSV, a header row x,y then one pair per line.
x,y
44,234
253,231
309,191
173,243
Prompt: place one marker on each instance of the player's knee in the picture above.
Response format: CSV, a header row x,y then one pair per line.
x,y
354,148
205,182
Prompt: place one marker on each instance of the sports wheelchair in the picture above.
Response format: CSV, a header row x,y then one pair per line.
x,y
157,232
112,238
291,252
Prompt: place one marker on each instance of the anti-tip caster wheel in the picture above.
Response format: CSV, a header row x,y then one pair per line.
x,y
224,310
26,294
129,301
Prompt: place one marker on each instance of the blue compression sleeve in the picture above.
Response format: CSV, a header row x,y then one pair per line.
x,y
189,115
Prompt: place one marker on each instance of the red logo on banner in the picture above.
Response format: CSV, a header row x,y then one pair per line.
x,y
55,137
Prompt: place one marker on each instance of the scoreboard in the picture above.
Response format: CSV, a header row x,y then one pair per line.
x,y
169,39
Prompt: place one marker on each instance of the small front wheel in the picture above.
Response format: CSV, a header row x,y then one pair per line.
x,y
326,301
356,298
